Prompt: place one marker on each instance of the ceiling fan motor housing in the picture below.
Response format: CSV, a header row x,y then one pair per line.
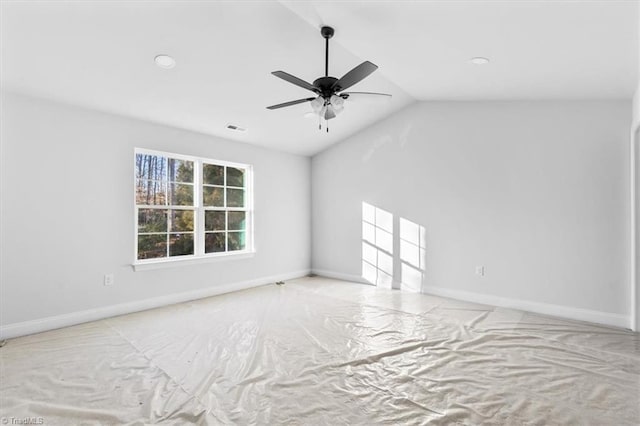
x,y
325,86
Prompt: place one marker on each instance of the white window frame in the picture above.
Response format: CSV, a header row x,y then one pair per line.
x,y
199,214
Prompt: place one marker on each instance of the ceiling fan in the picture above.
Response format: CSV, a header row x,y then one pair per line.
x,y
330,97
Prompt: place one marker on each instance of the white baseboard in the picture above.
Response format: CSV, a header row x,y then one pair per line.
x,y
50,323
340,276
598,317
44,324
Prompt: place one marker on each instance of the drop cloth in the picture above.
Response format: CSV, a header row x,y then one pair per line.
x,y
318,351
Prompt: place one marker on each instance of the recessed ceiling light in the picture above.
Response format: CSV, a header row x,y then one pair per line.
x,y
479,60
165,61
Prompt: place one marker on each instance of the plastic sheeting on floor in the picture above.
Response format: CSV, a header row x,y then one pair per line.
x,y
318,351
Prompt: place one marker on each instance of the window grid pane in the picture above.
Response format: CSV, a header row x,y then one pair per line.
x,y
152,246
225,212
215,242
166,207
213,196
181,244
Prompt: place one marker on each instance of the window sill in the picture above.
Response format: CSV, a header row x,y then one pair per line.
x,y
172,263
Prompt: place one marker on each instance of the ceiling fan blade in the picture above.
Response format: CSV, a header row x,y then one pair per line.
x,y
354,76
295,80
360,95
286,104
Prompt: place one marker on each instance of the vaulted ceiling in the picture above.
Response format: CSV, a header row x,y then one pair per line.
x,y
99,55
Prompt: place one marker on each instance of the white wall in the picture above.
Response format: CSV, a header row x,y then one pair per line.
x,y
636,106
636,97
635,143
537,192
635,197
67,214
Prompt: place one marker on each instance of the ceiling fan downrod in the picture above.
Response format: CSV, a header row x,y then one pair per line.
x,y
327,33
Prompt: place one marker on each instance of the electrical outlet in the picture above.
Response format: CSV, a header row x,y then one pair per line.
x,y
108,279
480,271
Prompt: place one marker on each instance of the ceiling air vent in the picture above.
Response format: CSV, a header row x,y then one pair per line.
x,y
236,128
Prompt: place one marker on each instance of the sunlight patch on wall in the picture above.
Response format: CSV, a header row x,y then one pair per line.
x,y
412,255
377,246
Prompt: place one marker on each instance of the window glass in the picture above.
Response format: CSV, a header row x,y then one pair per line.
x,y
235,197
212,174
213,196
214,242
235,177
215,220
177,197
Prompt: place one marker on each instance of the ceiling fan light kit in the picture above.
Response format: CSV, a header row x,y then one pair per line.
x,y
329,99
